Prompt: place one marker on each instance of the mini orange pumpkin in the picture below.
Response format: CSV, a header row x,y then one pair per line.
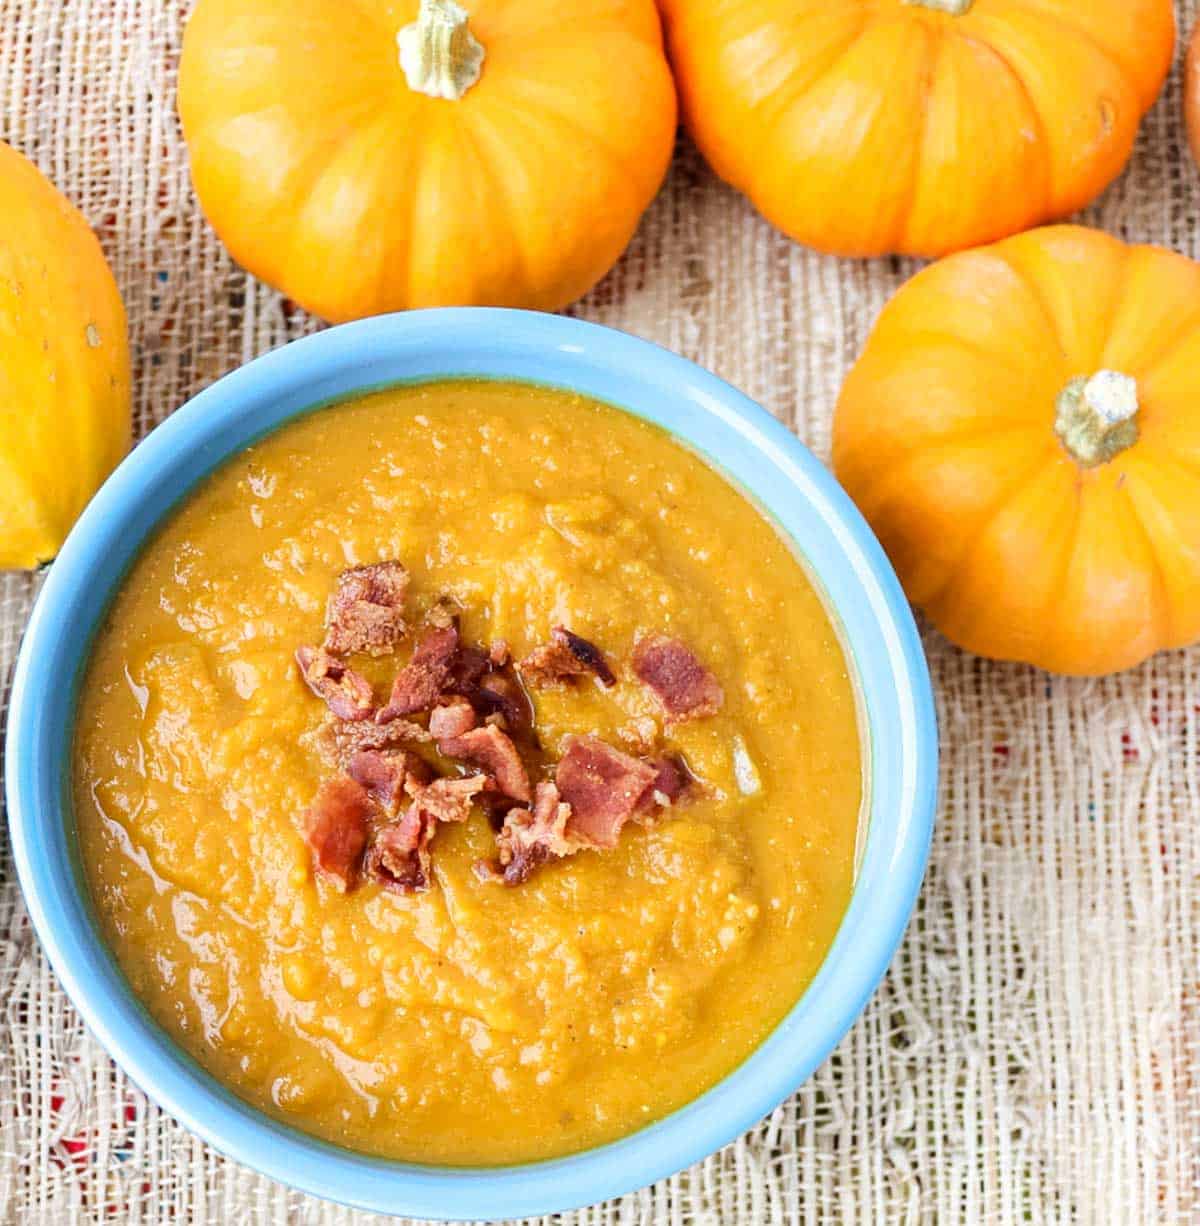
x,y
64,365
1022,431
369,157
1191,92
862,127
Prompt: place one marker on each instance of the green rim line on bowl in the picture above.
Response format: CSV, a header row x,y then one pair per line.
x,y
742,440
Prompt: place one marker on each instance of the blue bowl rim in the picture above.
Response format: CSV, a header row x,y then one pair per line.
x,y
739,438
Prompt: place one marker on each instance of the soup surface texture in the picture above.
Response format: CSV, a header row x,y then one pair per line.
x,y
474,1022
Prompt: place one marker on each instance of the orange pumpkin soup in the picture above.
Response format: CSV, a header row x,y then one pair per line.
x,y
467,999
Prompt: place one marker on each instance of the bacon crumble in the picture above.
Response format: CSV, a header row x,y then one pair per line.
x,y
366,611
529,839
671,780
493,751
336,828
399,858
419,683
378,816
603,786
564,659
683,686
448,800
385,774
450,719
338,740
346,693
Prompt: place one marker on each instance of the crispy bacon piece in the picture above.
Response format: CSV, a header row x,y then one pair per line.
x,y
492,751
466,669
399,857
451,719
366,611
563,659
448,800
671,780
338,740
500,694
603,786
385,774
684,687
346,693
529,839
420,682
606,783
336,828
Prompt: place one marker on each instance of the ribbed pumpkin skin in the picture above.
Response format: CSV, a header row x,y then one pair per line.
x,y
1192,92
329,178
862,127
944,437
64,365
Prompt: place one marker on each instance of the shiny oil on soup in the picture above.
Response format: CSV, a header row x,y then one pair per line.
x,y
468,773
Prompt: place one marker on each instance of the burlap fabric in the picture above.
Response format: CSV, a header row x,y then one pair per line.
x,y
1034,1054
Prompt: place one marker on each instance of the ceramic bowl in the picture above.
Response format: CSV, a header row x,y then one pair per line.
x,y
740,438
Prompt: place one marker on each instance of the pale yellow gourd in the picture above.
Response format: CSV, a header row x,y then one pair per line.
x,y
64,365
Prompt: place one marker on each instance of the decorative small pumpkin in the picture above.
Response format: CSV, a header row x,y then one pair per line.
x,y
916,126
64,365
371,157
1191,92
1022,431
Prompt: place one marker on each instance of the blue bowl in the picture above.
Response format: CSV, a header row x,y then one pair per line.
x,y
740,438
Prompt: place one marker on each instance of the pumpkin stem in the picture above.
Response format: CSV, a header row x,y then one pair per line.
x,y
1096,418
438,53
956,8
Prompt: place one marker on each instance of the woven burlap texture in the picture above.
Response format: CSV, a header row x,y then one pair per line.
x,y
1034,1053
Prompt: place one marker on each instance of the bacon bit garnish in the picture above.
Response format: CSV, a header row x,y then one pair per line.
x,y
346,693
604,788
467,667
671,780
448,800
366,612
336,828
338,740
501,696
529,839
420,682
399,857
384,774
450,719
566,657
554,830
492,751
683,686
476,704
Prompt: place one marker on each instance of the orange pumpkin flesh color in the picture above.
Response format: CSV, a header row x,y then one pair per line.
x,y
862,127
1191,92
375,156
1022,431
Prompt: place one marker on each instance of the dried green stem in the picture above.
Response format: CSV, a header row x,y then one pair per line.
x,y
438,53
956,8
1096,418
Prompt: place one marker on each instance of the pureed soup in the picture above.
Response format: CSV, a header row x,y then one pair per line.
x,y
467,773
